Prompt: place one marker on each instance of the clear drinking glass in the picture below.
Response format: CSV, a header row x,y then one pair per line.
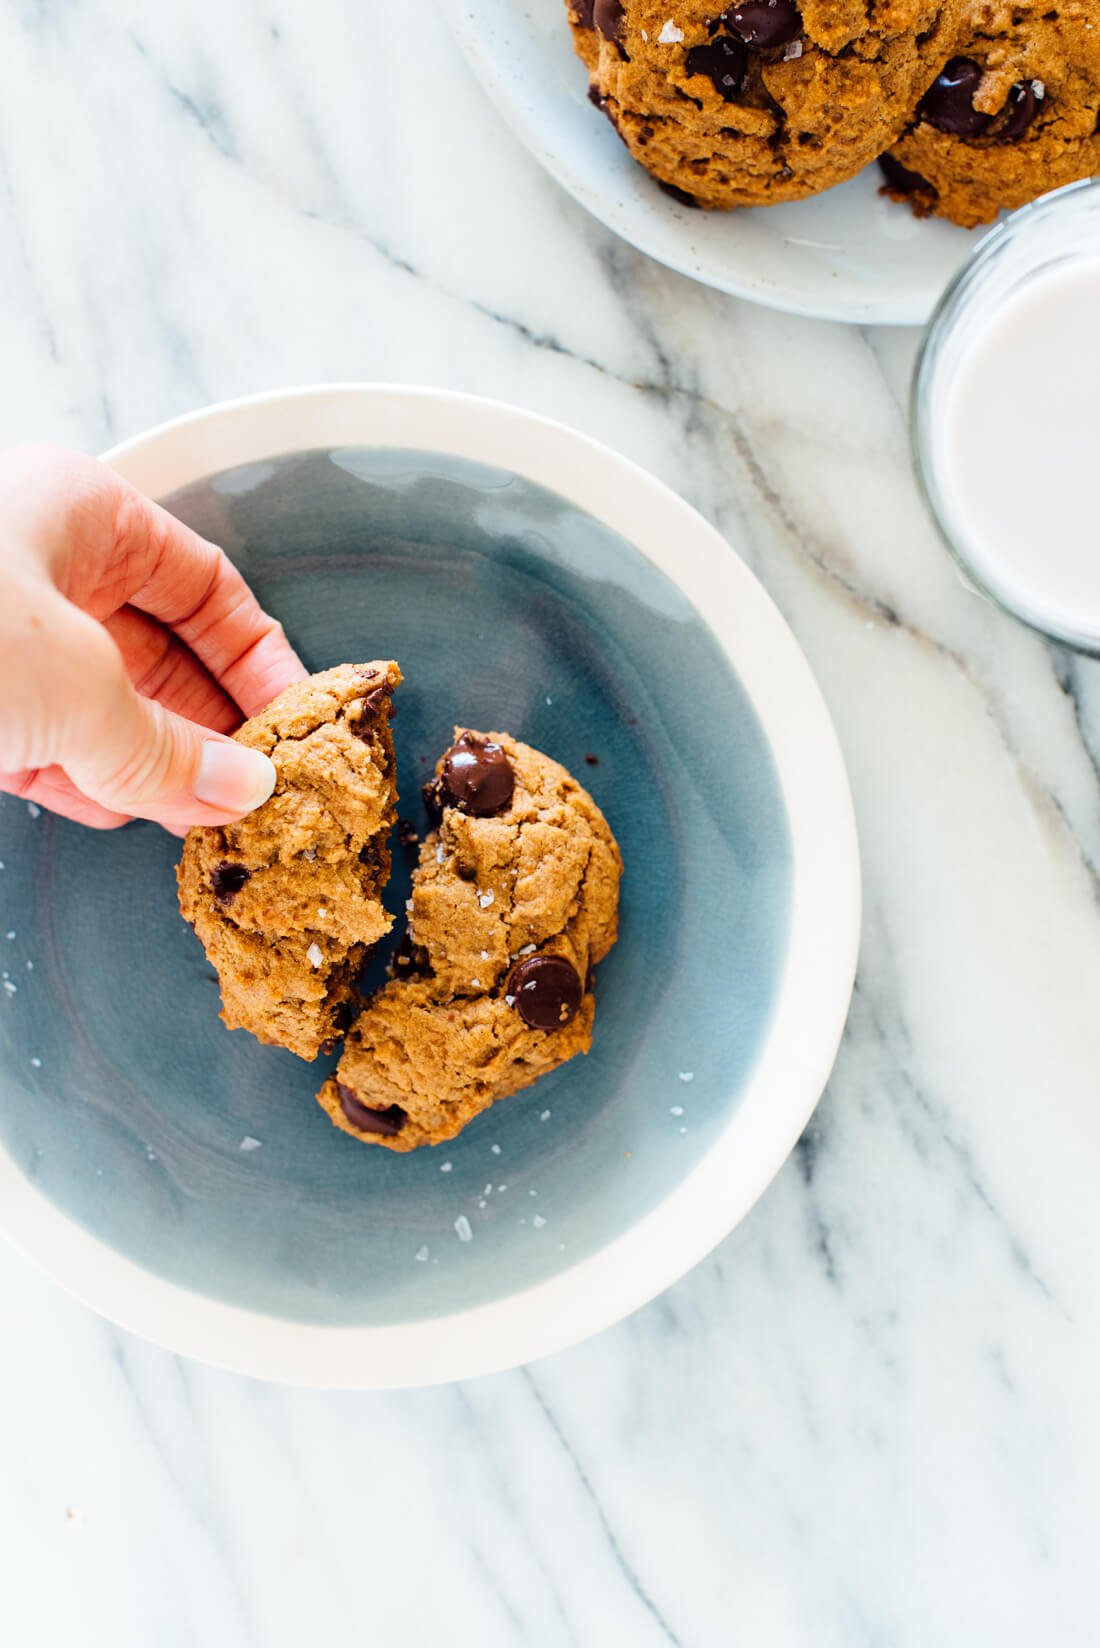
x,y
1053,231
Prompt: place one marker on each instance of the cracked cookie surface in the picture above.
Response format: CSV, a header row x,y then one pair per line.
x,y
1016,112
287,902
764,101
514,901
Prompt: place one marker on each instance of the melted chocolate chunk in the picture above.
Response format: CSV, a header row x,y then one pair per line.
x,y
547,991
407,833
764,23
677,194
364,713
723,60
1021,108
948,104
583,9
899,177
607,16
226,881
387,1122
477,777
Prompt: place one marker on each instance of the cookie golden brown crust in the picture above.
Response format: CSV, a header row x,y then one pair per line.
x,y
510,911
287,902
1016,113
762,102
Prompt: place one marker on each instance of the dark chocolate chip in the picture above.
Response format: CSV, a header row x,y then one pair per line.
x,y
723,61
343,1016
899,177
677,194
607,16
1021,107
547,991
328,1046
596,97
948,104
764,23
593,760
406,833
387,1122
226,881
583,10
364,713
477,777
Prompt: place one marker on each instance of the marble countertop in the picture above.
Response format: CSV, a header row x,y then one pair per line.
x,y
867,1421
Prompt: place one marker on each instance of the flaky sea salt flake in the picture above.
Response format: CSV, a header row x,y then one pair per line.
x,y
538,1221
422,1254
676,1110
495,1148
544,1116
670,35
462,1229
315,954
35,812
36,1064
249,1143
445,1167
485,899
793,51
687,1075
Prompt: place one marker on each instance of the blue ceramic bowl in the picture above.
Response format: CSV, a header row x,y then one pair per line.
x,y
182,1178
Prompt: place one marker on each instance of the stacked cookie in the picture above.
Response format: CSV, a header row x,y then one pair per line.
x,y
514,902
972,105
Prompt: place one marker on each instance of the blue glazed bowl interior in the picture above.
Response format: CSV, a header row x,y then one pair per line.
x,y
125,1100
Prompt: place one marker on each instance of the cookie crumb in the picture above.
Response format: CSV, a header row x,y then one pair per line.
x,y
462,1229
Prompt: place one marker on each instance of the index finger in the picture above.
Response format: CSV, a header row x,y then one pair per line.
x,y
193,587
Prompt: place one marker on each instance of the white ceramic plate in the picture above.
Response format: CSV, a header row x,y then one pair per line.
x,y
849,255
482,1313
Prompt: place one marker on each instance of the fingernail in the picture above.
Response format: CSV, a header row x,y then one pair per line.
x,y
233,777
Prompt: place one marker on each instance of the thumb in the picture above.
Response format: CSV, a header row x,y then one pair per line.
x,y
132,755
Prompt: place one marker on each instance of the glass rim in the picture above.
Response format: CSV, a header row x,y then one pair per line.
x,y
944,314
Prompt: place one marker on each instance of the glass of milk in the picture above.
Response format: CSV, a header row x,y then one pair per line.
x,y
1006,415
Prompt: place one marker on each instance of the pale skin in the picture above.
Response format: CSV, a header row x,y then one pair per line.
x,y
129,648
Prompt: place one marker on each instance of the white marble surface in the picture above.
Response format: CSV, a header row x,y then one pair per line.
x,y
868,1420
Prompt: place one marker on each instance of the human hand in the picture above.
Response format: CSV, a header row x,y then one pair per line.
x,y
129,648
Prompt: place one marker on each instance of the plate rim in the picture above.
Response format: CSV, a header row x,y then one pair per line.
x,y
800,1045
461,19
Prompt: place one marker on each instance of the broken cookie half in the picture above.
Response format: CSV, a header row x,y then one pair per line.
x,y
514,901
288,901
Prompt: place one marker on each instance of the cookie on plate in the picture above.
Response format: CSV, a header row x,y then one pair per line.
x,y
764,100
514,901
1015,112
287,902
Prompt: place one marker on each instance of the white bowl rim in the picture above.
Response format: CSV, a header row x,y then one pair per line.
x,y
799,1049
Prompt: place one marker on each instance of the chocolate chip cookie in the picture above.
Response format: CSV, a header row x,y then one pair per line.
x,y
766,100
514,901
1016,111
287,902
